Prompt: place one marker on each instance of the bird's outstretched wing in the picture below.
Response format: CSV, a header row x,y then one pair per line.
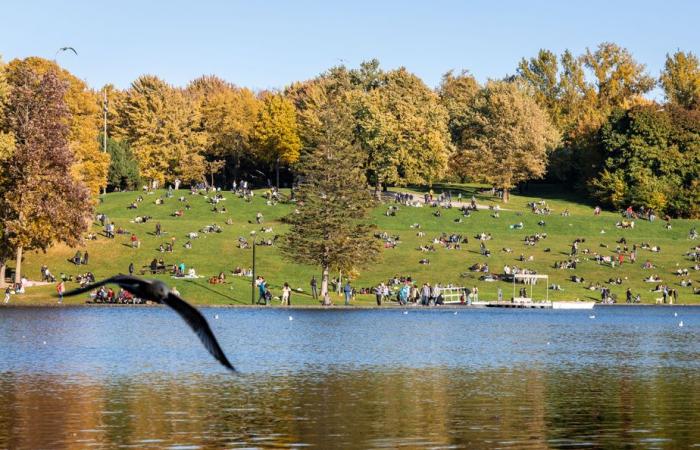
x,y
63,49
131,284
199,324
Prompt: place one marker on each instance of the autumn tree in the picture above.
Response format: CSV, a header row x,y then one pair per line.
x,y
681,79
330,227
403,131
39,202
229,115
91,163
276,134
509,137
160,123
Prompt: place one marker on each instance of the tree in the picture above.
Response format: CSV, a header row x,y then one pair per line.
x,y
457,94
403,131
681,79
39,203
276,134
509,137
91,163
228,117
652,160
123,167
161,123
330,227
619,78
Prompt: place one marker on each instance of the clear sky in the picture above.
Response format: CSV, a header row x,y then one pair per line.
x,y
268,44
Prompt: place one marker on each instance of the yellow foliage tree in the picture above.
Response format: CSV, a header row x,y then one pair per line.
x,y
276,132
161,124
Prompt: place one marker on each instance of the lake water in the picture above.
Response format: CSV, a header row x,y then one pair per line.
x,y
138,377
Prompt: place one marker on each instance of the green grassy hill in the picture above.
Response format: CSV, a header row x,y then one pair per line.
x,y
214,253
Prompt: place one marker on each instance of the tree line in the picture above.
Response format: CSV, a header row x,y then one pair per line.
x,y
581,120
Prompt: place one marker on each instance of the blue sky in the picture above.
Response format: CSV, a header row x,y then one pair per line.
x,y
267,44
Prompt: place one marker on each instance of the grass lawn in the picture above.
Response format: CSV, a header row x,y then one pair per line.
x,y
213,253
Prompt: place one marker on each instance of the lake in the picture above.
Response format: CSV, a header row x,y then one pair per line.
x,y
470,378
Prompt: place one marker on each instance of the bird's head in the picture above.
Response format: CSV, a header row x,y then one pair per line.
x,y
160,289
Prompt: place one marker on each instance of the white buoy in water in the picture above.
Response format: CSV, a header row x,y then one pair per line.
x,y
44,342
455,313
216,317
405,312
675,314
547,343
591,317
291,318
680,324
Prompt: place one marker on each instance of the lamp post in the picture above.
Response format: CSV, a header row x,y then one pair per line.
x,y
252,281
104,132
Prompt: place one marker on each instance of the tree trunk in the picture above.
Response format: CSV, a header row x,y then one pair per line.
x,y
506,195
3,268
277,173
324,287
211,173
236,167
18,266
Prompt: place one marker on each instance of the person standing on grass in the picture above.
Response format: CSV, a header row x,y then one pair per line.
x,y
314,290
85,258
7,294
348,293
286,293
60,288
131,268
378,293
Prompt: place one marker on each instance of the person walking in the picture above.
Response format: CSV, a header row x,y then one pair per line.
x,y
314,289
85,258
475,294
131,268
8,292
60,288
286,293
500,295
348,293
261,290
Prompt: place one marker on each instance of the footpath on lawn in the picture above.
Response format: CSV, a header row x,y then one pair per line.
x,y
429,244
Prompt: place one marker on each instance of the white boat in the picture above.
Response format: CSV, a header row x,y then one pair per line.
x,y
573,305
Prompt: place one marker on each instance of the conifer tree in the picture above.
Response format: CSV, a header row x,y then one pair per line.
x,y
329,227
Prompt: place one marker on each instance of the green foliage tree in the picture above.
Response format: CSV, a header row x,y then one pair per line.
x,y
652,160
123,168
330,227
276,133
40,203
509,137
681,79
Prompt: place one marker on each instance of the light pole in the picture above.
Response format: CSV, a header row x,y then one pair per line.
x,y
252,281
104,132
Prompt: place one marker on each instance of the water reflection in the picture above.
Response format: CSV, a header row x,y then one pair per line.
x,y
360,380
355,409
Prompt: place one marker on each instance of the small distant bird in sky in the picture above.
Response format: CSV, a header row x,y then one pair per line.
x,y
159,292
63,49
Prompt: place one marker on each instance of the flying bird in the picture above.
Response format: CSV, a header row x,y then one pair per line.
x,y
159,292
63,49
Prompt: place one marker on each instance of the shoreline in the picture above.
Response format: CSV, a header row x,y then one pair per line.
x,y
328,308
